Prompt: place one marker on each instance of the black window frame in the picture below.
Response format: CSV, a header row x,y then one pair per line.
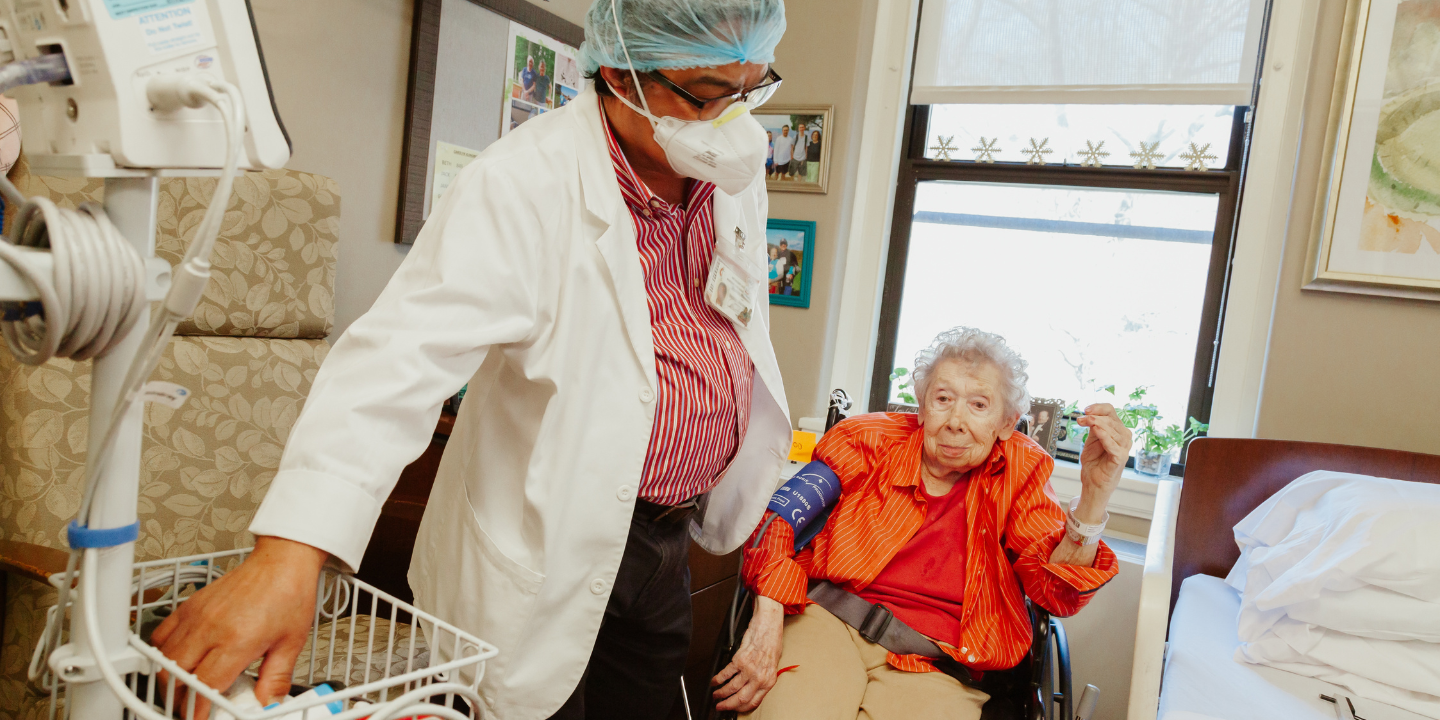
x,y
916,168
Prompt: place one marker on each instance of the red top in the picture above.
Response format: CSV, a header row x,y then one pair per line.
x,y
1012,524
924,584
702,406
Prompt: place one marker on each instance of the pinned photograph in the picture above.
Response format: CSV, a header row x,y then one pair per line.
x,y
567,71
563,95
533,75
520,111
798,157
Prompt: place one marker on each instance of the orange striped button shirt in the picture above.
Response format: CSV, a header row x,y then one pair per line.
x,y
1014,523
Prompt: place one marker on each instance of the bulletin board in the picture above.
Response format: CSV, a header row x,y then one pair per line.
x,y
463,56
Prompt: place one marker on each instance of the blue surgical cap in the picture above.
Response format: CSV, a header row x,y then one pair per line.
x,y
682,33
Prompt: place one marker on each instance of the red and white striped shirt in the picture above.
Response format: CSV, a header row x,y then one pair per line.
x,y
704,371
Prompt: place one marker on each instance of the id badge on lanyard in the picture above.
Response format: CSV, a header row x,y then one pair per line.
x,y
733,280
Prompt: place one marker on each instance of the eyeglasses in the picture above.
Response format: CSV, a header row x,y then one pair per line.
x,y
753,96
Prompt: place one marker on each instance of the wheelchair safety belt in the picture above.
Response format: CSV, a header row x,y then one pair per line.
x,y
877,624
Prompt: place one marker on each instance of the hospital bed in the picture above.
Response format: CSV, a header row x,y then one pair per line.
x,y
1192,547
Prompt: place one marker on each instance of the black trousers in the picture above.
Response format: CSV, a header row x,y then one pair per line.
x,y
639,656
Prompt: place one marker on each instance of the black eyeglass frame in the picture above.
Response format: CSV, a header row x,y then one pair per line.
x,y
771,79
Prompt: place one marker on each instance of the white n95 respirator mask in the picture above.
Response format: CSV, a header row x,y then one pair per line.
x,y
728,151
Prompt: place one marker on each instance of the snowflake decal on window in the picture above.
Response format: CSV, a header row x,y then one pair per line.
x,y
945,147
1146,157
1197,157
985,151
1093,154
1037,151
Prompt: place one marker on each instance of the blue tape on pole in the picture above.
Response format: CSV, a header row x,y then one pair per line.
x,y
807,496
83,537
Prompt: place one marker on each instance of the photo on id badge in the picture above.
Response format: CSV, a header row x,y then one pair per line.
x,y
728,291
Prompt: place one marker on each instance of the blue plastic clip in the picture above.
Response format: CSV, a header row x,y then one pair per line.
x,y
84,537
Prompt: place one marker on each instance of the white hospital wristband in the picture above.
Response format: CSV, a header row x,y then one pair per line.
x,y
1080,533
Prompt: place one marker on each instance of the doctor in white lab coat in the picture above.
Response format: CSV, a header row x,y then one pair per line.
x,y
527,283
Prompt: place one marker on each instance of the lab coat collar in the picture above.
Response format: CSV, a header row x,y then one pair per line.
x,y
616,238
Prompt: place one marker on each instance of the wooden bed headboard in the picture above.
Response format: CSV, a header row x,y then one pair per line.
x,y
1226,478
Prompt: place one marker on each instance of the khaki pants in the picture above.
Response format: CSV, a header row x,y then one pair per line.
x,y
842,676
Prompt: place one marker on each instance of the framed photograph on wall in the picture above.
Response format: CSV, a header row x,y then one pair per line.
x,y
1045,415
789,247
1377,217
798,159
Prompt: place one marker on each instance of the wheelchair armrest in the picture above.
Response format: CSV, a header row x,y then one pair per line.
x,y
1153,620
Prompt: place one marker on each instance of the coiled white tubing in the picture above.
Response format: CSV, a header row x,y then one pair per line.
x,y
97,292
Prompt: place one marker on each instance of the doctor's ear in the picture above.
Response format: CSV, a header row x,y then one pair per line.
x,y
618,82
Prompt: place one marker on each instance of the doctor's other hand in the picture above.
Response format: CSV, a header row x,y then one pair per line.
x,y
261,608
750,675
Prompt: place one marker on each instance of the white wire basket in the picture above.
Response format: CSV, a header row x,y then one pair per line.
x,y
383,658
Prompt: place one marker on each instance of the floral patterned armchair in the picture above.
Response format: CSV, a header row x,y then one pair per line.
x,y
248,354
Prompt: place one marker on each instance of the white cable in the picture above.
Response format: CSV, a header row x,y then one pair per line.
x,y
188,574
189,280
97,292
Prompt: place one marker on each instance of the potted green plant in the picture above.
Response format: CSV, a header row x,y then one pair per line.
x,y
1155,447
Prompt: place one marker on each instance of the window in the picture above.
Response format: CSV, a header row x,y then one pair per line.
x,y
1110,275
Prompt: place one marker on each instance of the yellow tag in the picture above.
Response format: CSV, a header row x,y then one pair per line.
x,y
802,446
734,112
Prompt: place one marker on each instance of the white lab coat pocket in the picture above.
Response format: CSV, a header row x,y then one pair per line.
x,y
484,591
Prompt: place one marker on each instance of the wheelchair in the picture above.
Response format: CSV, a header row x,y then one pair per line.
x,y
1037,688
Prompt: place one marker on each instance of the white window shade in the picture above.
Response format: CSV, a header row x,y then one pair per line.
x,y
1133,52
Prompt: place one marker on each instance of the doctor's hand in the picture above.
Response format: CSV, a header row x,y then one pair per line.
x,y
261,608
750,675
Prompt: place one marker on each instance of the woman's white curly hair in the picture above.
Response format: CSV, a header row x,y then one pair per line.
x,y
971,346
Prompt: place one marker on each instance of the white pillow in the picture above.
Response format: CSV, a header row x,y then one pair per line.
x,y
1339,577
1337,531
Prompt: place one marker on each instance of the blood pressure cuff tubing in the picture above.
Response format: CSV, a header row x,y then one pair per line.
x,y
805,500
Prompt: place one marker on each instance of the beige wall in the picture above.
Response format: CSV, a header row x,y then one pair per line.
x,y
1344,368
339,70
822,62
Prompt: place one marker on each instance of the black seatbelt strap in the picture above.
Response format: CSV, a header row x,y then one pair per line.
x,y
878,625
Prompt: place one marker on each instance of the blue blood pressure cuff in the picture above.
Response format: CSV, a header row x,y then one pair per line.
x,y
805,500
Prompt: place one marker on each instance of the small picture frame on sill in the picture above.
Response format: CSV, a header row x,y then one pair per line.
x,y
1070,438
1044,416
789,252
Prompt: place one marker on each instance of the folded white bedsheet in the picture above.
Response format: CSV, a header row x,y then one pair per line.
x,y
1340,581
1204,681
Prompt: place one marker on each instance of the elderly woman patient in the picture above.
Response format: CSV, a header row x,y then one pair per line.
x,y
946,519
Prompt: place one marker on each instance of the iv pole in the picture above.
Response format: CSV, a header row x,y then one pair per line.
x,y
130,202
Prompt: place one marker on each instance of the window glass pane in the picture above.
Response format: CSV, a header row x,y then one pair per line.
x,y
1091,287
1115,129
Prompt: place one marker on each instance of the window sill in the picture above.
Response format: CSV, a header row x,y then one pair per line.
x,y
1134,498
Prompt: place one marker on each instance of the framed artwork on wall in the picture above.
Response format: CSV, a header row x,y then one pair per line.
x,y
798,159
1377,217
790,249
